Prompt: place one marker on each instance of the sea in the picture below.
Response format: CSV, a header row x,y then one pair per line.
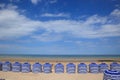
x,y
59,56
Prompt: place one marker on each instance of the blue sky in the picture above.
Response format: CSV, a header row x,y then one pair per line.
x,y
60,27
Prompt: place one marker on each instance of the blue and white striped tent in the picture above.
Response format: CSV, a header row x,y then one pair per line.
x,y
70,68
111,75
37,67
26,67
0,66
59,68
16,67
93,68
103,67
82,68
6,66
115,66
47,68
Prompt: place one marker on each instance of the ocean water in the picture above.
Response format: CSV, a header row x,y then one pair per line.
x,y
59,56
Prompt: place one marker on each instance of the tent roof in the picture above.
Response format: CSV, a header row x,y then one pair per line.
x,y
112,72
93,65
71,64
37,64
59,65
47,64
103,64
17,63
82,64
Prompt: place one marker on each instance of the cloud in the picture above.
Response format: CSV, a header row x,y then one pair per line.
x,y
35,1
53,1
116,12
15,25
2,5
54,15
47,37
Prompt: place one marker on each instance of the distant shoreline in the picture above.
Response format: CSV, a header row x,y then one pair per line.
x,y
60,59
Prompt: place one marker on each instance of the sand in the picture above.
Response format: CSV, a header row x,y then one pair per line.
x,y
53,76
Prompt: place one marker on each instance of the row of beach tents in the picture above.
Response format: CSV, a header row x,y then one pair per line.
x,y
59,67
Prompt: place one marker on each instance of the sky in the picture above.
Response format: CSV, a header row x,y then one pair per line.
x,y
60,27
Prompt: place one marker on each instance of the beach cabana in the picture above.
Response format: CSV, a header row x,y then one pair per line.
x,y
115,66
37,67
93,68
6,66
103,67
70,68
26,67
59,68
47,68
0,66
82,68
111,75
16,67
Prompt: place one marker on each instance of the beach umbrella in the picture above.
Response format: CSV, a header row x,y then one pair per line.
x,y
47,68
103,67
6,66
37,67
82,68
115,66
26,67
16,67
59,68
0,66
70,68
93,68
111,75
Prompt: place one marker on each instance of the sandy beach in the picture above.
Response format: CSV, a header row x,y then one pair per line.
x,y
54,76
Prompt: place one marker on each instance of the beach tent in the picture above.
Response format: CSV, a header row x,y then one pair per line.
x,y
6,66
82,68
26,67
115,66
93,68
111,75
16,67
70,68
47,68
59,68
103,67
37,67
0,66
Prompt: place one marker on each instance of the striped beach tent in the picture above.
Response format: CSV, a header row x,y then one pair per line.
x,y
115,66
16,67
111,75
6,66
26,67
47,68
70,68
82,68
0,66
93,68
59,68
103,67
37,67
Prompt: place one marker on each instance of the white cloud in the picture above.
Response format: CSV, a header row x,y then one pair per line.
x,y
14,25
53,1
54,15
35,1
116,12
2,5
46,37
